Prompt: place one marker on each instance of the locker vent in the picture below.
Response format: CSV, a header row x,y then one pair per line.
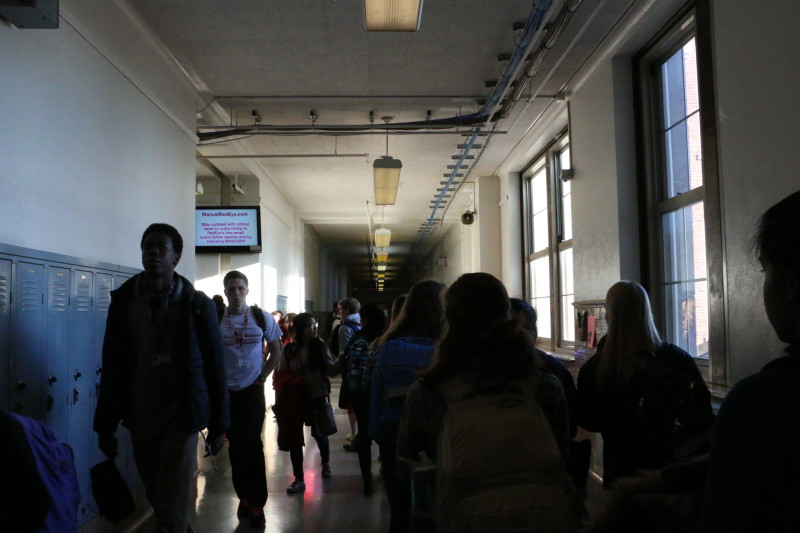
x,y
3,294
103,299
84,299
31,295
59,298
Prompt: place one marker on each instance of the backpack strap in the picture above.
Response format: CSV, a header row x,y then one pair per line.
x,y
258,315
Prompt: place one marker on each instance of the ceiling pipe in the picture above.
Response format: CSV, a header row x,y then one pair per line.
x,y
277,156
517,60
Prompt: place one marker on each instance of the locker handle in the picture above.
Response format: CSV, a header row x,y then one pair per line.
x,y
50,402
98,370
75,395
76,375
52,379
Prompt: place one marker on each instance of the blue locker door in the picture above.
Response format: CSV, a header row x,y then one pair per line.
x,y
81,347
5,330
27,351
56,375
102,299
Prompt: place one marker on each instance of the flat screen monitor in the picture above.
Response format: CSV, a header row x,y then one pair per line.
x,y
227,230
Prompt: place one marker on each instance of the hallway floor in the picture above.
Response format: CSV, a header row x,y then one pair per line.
x,y
333,505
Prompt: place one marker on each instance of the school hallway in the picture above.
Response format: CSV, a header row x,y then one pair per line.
x,y
334,505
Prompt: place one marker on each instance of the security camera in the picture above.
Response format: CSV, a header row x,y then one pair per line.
x,y
468,218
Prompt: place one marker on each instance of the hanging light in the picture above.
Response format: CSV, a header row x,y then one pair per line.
x,y
381,268
382,256
383,236
386,170
386,174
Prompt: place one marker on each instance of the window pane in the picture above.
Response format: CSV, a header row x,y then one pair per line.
x,y
685,278
540,240
540,294
684,156
543,324
567,296
540,271
539,191
679,85
687,321
680,101
566,211
564,158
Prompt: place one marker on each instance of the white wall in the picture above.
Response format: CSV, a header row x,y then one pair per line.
x,y
456,247
96,138
758,126
487,196
597,225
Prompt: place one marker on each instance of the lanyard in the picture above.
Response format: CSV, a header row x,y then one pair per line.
x,y
238,335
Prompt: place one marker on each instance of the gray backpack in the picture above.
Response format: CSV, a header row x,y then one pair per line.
x,y
498,467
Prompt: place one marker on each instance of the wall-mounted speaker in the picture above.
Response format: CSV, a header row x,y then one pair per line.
x,y
468,218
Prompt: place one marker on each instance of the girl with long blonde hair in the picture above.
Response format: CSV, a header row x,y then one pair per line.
x,y
636,386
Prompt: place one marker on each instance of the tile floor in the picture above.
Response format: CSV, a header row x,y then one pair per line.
x,y
334,505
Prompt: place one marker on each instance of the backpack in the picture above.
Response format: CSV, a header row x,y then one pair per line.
x,y
394,372
498,466
334,343
674,405
56,467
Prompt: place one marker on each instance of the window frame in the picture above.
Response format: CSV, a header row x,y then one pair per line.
x,y
549,160
691,22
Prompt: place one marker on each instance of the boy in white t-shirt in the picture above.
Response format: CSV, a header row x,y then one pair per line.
x,y
244,331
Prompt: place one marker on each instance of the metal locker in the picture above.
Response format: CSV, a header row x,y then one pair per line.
x,y
80,371
26,340
5,330
102,299
56,375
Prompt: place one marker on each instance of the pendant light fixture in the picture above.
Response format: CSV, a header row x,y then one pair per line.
x,y
386,174
383,236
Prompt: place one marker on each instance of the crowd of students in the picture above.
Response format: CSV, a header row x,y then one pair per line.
x,y
475,426
667,463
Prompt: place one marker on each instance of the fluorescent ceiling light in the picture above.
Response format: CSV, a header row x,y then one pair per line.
x,y
383,236
382,256
392,15
386,171
381,268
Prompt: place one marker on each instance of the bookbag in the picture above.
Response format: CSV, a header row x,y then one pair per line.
x,y
674,405
395,371
334,343
498,466
56,467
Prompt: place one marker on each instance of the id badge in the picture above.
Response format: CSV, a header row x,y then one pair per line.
x,y
160,359
243,363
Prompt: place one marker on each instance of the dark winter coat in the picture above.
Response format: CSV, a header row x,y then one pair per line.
x,y
201,356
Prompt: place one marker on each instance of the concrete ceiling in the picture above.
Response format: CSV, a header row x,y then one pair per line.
x,y
285,58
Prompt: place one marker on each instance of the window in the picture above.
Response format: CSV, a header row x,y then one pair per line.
x,y
680,185
548,244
